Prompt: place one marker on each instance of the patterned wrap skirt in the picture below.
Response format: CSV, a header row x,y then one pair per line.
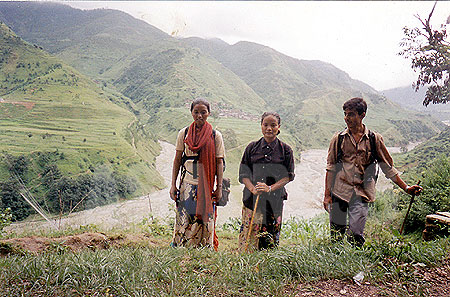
x,y
265,232
189,231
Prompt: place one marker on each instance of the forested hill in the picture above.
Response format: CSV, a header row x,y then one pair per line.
x,y
91,41
419,159
161,75
63,133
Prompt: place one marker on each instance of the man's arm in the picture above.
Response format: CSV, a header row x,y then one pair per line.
x,y
331,170
411,190
329,177
387,166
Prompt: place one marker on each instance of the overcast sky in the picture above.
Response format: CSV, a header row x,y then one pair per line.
x,y
360,38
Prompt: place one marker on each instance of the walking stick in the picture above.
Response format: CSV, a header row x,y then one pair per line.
x,y
214,234
409,208
251,224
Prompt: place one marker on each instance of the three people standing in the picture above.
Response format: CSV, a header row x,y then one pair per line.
x,y
267,165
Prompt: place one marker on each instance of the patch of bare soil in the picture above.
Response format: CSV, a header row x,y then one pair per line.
x,y
27,105
93,241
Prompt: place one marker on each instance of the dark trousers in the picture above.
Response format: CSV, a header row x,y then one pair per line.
x,y
356,210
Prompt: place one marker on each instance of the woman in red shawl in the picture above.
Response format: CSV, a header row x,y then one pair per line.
x,y
195,199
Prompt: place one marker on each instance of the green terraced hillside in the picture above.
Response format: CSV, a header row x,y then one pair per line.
x,y
48,107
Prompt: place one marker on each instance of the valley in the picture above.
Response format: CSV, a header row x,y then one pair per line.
x,y
118,90
304,200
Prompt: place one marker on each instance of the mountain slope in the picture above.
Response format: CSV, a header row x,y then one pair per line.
x,y
310,94
47,106
418,159
409,99
90,40
162,75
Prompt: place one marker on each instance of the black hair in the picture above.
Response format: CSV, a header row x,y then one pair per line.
x,y
200,101
271,113
357,104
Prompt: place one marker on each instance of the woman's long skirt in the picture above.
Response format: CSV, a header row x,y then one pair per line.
x,y
189,231
265,232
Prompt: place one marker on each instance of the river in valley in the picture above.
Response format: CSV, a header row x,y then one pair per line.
x,y
305,196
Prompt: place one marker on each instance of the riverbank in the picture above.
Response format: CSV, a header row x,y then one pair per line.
x,y
305,195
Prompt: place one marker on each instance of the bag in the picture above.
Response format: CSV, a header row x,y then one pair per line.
x,y
225,192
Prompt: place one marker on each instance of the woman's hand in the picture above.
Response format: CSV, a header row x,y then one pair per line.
x,y
217,194
262,188
173,193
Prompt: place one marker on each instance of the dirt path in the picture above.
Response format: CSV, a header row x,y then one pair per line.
x,y
304,200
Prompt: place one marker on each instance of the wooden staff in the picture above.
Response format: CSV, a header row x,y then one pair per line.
x,y
251,224
409,208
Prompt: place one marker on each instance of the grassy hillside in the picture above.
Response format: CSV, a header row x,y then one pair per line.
x,y
48,107
167,79
419,159
91,41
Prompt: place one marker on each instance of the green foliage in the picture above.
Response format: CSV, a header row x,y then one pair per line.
x,y
302,231
156,227
418,160
10,198
232,224
429,51
199,272
435,196
5,218
40,175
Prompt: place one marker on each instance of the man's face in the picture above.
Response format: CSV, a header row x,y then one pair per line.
x,y
352,118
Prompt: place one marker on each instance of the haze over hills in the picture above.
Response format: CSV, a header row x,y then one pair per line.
x,y
161,75
407,97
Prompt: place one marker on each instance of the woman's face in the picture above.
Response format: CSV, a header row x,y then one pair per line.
x,y
200,114
270,127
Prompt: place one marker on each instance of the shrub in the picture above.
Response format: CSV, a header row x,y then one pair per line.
x,y
11,198
435,196
5,218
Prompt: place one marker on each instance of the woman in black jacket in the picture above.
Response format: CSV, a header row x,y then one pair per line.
x,y
266,167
